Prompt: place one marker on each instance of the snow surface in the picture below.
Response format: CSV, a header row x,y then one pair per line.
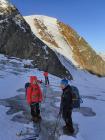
x,y
64,137
4,3
8,129
90,128
102,55
18,22
52,28
11,82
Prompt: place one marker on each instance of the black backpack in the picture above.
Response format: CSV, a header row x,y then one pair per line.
x,y
76,99
26,86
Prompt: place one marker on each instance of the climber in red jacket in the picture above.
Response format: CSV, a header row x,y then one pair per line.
x,y
34,97
46,78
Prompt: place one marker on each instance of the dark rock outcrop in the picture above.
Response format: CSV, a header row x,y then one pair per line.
x,y
17,39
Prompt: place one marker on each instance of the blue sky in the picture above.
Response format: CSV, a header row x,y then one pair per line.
x,y
87,17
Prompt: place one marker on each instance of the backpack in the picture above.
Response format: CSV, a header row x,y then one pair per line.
x,y
26,86
76,99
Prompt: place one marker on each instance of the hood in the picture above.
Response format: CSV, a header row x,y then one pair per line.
x,y
32,79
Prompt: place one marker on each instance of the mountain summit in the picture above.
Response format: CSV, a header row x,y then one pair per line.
x,y
63,39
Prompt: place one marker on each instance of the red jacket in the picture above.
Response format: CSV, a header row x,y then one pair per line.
x,y
34,93
45,74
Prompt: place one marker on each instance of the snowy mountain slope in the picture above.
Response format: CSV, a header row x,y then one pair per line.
x,y
17,39
47,30
63,39
90,118
12,70
102,55
14,112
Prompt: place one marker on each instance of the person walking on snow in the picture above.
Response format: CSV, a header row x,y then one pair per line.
x,y
66,106
34,98
28,84
46,78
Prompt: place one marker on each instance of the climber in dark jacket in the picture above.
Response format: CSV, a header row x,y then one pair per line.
x,y
66,105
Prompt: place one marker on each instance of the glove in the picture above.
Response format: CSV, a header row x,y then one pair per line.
x,y
40,81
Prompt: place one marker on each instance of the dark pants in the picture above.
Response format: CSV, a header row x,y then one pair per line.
x,y
46,80
35,109
67,116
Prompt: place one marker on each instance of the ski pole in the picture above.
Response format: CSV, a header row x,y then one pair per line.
x,y
57,123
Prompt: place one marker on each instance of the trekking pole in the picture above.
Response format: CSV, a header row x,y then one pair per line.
x,y
44,90
57,123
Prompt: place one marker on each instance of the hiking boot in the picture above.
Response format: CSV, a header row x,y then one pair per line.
x,y
39,118
68,129
35,119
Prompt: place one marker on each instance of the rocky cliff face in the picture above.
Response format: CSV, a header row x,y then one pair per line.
x,y
83,54
17,39
63,39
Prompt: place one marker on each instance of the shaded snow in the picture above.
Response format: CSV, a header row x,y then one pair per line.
x,y
15,76
18,22
64,137
45,48
2,21
8,129
91,87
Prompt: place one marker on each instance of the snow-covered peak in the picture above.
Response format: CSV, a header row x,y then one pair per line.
x,y
45,19
46,28
64,40
4,3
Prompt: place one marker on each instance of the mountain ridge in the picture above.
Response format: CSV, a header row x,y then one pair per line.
x,y
17,39
63,39
102,55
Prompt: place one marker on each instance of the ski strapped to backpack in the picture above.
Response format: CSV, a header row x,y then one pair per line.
x,y
76,99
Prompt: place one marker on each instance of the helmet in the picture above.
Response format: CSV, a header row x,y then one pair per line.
x,y
64,82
